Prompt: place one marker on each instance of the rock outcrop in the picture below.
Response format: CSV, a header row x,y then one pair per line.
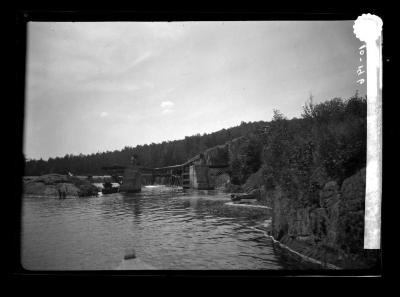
x,y
57,185
332,230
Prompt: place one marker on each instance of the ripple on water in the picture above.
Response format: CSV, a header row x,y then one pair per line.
x,y
168,230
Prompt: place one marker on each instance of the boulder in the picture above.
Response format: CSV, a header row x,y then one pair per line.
x,y
68,189
58,186
130,254
87,190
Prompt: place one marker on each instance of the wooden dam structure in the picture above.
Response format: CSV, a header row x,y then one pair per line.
x,y
194,173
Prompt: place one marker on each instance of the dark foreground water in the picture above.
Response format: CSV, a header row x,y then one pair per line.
x,y
167,229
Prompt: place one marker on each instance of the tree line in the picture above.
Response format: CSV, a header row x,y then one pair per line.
x,y
149,155
330,137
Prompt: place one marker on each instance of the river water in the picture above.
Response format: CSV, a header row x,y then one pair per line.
x,y
167,228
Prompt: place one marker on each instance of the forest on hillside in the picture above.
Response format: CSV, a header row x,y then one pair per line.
x,y
330,135
149,155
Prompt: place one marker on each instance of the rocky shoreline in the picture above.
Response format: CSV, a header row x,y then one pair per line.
x,y
58,186
315,211
331,230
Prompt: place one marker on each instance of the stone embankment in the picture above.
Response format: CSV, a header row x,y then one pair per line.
x,y
332,230
58,186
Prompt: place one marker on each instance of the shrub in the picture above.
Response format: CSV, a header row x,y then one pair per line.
x,y
331,135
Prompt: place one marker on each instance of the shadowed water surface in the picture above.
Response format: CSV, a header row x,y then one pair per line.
x,y
168,229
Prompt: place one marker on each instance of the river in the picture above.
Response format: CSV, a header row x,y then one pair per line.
x,y
167,228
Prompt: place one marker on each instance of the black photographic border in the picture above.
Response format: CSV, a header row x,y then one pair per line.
x,y
91,15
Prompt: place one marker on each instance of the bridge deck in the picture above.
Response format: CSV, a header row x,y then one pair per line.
x,y
174,174
120,169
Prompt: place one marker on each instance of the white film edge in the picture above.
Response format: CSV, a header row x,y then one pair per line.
x,y
368,29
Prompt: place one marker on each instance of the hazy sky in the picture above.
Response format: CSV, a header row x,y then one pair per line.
x,y
93,87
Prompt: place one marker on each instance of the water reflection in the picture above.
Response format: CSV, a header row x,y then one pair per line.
x,y
168,229
133,204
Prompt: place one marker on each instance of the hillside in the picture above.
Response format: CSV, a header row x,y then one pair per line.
x,y
149,155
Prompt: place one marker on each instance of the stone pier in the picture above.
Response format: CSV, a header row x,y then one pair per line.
x,y
199,177
132,181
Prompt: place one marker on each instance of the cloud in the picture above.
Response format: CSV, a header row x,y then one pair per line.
x,y
142,58
104,114
167,107
167,104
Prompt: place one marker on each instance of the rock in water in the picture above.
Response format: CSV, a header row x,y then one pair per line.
x,y
56,185
131,262
131,254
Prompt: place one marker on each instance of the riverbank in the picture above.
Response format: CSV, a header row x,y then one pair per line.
x,y
325,228
332,229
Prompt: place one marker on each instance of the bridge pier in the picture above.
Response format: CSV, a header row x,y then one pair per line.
x,y
132,181
199,177
192,174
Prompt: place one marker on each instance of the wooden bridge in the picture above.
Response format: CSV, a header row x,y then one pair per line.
x,y
194,173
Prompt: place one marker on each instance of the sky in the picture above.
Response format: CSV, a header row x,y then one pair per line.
x,y
101,86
